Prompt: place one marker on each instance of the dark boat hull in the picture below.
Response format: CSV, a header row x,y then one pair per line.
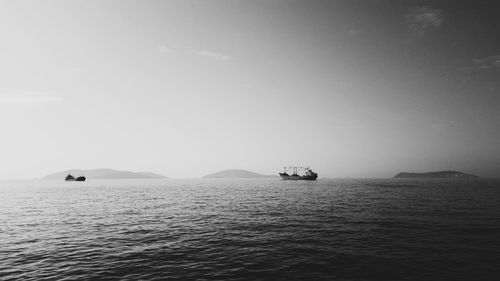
x,y
312,177
72,178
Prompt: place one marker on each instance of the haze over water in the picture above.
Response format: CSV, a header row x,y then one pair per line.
x,y
185,88
264,229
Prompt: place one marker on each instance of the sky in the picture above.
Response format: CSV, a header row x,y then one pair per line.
x,y
187,88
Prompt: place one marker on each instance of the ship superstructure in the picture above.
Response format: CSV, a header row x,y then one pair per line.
x,y
298,173
70,177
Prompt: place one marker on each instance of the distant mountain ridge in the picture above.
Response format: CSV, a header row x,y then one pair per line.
x,y
439,174
105,173
236,174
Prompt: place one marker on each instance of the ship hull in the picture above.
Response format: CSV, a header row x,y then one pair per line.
x,y
297,177
72,178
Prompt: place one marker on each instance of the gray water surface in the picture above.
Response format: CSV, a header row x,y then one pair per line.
x,y
266,229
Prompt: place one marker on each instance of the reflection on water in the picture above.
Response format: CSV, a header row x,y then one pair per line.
x,y
250,229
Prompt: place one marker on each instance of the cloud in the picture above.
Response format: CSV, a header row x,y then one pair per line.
x,y
351,31
487,62
482,69
350,126
213,55
420,19
193,52
27,97
443,124
165,49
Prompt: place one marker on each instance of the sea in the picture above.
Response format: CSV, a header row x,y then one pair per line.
x,y
250,229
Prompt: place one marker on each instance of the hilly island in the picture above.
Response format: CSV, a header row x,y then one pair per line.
x,y
439,174
237,174
105,174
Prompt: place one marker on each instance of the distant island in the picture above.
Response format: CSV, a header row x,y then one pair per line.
x,y
104,174
236,174
440,174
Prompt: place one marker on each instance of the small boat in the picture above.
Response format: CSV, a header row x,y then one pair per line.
x,y
82,178
70,177
305,174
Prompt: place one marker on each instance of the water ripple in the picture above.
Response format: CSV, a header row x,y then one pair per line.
x,y
250,230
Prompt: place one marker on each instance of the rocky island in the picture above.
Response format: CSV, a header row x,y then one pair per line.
x,y
439,174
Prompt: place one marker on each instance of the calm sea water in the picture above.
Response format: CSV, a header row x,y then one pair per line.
x,y
250,230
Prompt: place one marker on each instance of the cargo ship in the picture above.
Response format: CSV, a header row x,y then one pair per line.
x,y
298,173
70,177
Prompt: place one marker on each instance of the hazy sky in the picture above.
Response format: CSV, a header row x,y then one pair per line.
x,y
186,88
